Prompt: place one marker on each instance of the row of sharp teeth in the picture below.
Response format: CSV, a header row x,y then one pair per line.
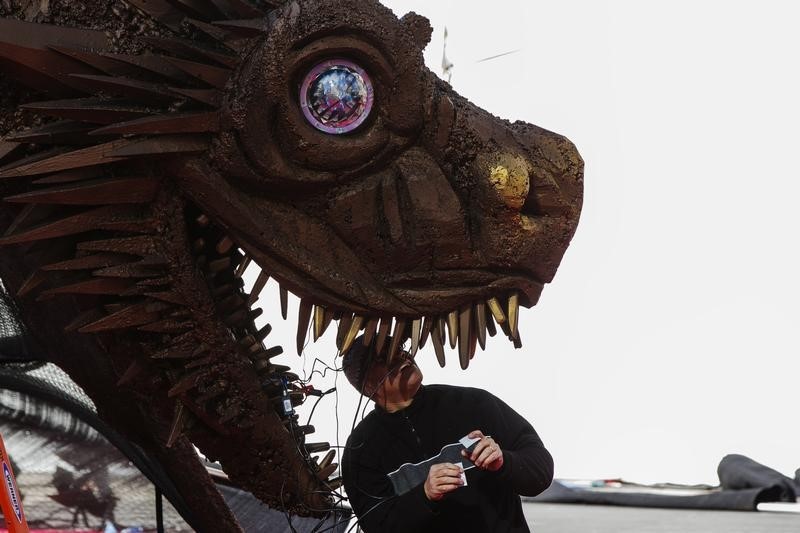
x,y
464,327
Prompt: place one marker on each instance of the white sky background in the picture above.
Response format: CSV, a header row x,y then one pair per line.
x,y
669,336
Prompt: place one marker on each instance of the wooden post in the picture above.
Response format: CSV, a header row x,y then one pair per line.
x,y
10,503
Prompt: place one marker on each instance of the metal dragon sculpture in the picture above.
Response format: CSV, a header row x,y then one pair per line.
x,y
152,149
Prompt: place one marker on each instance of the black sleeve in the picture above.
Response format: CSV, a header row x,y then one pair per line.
x,y
527,465
372,496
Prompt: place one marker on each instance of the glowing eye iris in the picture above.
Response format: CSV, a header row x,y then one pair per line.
x,y
336,96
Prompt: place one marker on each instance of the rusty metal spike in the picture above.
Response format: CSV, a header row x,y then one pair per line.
x,y
9,150
369,330
245,28
416,332
151,64
355,327
480,323
464,331
82,319
213,76
243,266
71,176
303,320
452,323
344,326
179,419
192,50
397,339
95,192
199,9
497,310
239,8
168,297
284,297
88,262
97,61
438,344
210,97
220,35
133,371
161,10
110,218
141,91
63,132
142,245
167,144
127,317
263,332
169,325
114,286
186,383
85,157
258,286
328,459
513,314
207,122
92,110
383,333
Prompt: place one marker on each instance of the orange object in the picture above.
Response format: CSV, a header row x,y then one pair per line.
x,y
10,502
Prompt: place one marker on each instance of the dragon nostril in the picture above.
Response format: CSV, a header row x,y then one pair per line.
x,y
510,179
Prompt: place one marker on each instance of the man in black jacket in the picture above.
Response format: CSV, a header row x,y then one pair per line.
x,y
412,423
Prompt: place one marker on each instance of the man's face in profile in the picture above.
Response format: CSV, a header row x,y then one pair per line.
x,y
395,381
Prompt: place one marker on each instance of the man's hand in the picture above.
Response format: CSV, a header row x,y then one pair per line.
x,y
487,454
442,478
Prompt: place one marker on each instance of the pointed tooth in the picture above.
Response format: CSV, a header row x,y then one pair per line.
x,y
416,331
178,423
370,330
438,344
427,324
258,286
383,332
284,295
113,286
133,371
442,329
303,320
496,309
224,245
344,327
355,327
131,190
465,323
319,321
336,483
218,265
126,317
243,266
480,323
473,342
31,282
452,323
517,341
318,447
490,327
87,317
513,314
397,338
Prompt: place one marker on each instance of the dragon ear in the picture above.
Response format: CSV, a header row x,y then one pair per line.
x,y
419,27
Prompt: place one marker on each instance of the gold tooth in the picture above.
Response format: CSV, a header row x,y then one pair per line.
x,y
383,332
319,321
397,338
224,245
464,332
355,327
416,331
452,322
442,329
438,343
497,310
258,286
246,260
328,459
284,294
480,323
513,314
370,330
303,320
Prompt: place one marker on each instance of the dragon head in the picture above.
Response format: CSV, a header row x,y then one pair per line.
x,y
307,138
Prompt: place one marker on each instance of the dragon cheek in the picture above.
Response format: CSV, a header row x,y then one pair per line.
x,y
508,176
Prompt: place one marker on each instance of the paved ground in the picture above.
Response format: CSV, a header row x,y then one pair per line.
x,y
567,518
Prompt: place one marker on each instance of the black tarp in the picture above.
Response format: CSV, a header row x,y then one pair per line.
x,y
744,484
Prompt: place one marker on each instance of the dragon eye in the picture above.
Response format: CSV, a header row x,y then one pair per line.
x,y
336,96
